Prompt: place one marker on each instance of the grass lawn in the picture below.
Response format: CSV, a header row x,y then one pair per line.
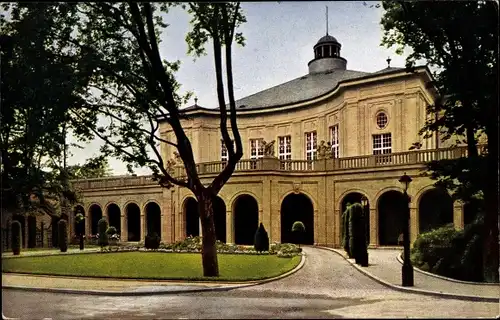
x,y
152,265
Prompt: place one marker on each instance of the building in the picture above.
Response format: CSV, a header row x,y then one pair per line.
x,y
370,120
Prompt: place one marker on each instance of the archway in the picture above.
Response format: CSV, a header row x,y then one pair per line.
x,y
153,218
471,210
219,218
246,219
390,207
133,222
31,231
352,198
114,217
95,214
192,218
297,207
435,209
78,227
21,220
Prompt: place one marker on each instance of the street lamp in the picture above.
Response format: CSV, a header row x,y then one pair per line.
x,y
407,270
364,203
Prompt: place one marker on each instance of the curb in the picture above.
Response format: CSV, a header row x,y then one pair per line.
x,y
220,287
416,291
400,259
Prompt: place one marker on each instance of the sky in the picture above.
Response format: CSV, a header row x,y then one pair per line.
x,y
279,43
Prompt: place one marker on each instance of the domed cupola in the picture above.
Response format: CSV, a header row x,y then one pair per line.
x,y
327,54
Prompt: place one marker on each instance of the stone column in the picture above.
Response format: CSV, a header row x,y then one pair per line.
x,y
143,225
274,226
373,226
25,235
229,228
458,215
337,234
414,222
124,228
201,229
87,226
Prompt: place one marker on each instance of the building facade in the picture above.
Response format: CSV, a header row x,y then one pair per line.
x,y
366,121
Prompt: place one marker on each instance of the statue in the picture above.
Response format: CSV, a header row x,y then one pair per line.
x,y
329,150
321,150
268,148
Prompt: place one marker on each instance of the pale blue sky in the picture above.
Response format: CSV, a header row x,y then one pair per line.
x,y
279,42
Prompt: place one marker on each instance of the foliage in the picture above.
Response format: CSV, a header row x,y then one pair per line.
x,y
345,230
152,241
451,253
31,230
298,226
62,235
357,234
96,167
111,230
17,237
102,226
261,239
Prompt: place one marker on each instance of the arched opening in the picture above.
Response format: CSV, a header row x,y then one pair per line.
x,y
391,206
153,218
219,218
297,207
21,220
352,198
435,210
133,222
78,227
31,231
192,217
114,217
246,219
95,214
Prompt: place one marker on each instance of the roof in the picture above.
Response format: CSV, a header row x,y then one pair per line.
x,y
327,38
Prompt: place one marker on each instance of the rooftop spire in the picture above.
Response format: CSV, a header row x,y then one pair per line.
x,y
326,20
388,62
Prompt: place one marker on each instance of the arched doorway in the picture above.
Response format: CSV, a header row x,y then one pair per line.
x,y
246,219
192,218
352,198
79,228
31,231
219,218
297,207
391,212
114,217
153,219
95,214
20,218
435,210
133,222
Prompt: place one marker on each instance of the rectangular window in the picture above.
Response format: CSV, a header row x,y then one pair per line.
x,y
310,145
334,140
285,151
382,144
256,149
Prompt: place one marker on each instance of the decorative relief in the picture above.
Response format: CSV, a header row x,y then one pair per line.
x,y
310,125
296,188
284,130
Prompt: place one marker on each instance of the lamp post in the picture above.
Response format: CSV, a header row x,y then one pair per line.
x,y
364,203
407,270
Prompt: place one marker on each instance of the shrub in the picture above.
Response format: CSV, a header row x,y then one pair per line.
x,y
345,230
111,231
152,241
357,234
261,239
298,229
62,235
102,226
17,237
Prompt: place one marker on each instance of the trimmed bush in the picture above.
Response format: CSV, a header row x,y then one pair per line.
x,y
102,227
299,230
261,239
357,234
63,235
152,241
80,229
345,230
17,237
111,231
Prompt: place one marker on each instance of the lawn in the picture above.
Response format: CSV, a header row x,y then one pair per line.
x,y
152,265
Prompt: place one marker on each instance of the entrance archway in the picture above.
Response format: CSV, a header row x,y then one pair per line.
x,y
352,198
153,218
390,209
219,218
95,214
435,210
192,218
114,217
21,220
31,231
297,207
246,219
133,222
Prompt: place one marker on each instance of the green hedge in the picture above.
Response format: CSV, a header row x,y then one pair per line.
x,y
17,237
102,227
63,235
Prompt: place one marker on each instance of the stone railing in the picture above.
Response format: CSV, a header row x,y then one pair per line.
x,y
274,164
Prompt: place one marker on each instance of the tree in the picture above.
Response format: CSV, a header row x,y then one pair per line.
x,y
96,167
460,39
134,90
39,84
299,230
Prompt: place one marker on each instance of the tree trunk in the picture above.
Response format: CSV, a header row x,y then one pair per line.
x,y
209,250
491,246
